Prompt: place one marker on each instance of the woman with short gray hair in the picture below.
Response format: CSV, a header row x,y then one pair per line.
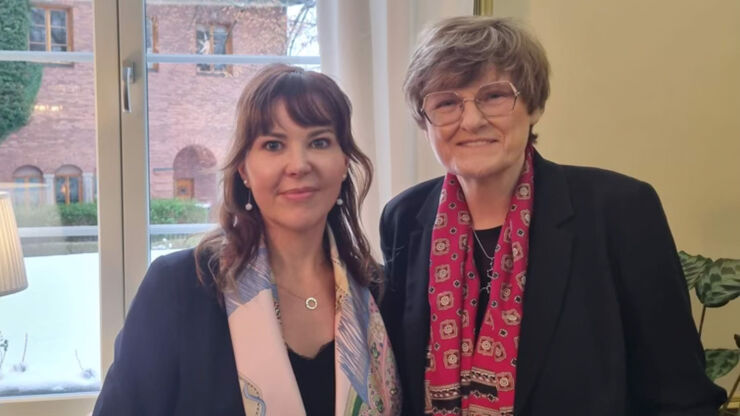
x,y
516,285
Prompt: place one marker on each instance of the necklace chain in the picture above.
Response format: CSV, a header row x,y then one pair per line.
x,y
483,249
310,301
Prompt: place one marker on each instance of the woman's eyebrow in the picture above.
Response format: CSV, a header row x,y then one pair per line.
x,y
319,132
314,133
276,135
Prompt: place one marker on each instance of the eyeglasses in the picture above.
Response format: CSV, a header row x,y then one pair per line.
x,y
442,108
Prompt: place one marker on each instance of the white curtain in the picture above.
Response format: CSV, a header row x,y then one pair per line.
x,y
365,46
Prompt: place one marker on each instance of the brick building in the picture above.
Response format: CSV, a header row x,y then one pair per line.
x,y
191,106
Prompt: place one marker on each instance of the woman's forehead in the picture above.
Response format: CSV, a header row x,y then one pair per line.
x,y
305,110
447,80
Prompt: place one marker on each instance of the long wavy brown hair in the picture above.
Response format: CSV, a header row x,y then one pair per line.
x,y
311,99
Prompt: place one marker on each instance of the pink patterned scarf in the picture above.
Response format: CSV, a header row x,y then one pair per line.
x,y
466,375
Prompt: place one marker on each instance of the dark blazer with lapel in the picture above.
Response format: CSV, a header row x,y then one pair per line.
x,y
174,354
606,326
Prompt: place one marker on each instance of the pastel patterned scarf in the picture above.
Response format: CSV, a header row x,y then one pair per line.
x,y
466,375
365,369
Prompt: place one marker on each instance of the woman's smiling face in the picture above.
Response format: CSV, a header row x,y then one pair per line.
x,y
479,147
295,173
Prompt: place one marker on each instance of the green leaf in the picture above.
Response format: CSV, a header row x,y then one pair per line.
x,y
19,81
720,284
694,267
720,362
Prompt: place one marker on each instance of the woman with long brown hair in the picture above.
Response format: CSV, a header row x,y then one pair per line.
x,y
273,313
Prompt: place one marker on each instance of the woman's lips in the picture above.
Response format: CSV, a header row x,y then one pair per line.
x,y
477,142
299,194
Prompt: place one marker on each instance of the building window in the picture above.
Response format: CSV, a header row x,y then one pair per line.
x,y
151,41
68,185
213,40
28,186
51,29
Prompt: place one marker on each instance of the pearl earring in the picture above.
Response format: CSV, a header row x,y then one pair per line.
x,y
248,206
340,201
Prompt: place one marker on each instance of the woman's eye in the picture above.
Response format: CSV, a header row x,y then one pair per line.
x,y
491,96
272,145
447,103
320,143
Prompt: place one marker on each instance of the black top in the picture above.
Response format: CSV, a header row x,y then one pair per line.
x,y
488,238
315,377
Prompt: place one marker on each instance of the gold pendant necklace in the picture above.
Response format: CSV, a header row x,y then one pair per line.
x,y
310,302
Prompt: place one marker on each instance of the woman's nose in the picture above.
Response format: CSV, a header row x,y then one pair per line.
x,y
472,118
298,163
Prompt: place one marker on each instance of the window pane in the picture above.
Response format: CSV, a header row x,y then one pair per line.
x,y
203,45
220,36
57,318
74,189
57,48
219,48
59,36
58,18
60,189
52,327
38,34
38,16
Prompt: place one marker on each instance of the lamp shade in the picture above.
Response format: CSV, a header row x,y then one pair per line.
x,y
12,269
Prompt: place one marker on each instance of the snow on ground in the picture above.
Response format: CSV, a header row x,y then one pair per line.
x,y
60,312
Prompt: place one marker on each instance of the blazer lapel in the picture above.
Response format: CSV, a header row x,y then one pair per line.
x,y
550,247
416,313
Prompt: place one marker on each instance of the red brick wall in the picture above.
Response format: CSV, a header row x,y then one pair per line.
x,y
186,108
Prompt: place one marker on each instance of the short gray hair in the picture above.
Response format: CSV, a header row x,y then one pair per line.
x,y
456,51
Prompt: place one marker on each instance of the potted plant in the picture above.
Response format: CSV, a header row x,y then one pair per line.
x,y
716,282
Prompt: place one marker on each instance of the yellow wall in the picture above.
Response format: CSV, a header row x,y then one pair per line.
x,y
652,89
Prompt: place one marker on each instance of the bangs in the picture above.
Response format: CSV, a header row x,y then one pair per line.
x,y
306,100
453,75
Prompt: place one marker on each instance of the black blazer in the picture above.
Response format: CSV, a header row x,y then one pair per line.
x,y
606,326
174,354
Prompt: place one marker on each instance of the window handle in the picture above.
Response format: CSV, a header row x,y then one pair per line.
x,y
127,78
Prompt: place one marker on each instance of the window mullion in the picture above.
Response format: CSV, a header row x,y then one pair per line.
x,y
47,28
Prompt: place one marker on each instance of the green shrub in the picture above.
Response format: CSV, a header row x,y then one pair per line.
x,y
19,81
56,215
161,211
176,211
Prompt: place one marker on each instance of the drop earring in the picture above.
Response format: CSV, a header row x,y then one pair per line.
x,y
248,206
340,201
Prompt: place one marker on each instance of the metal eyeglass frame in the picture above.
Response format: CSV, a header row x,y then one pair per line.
x,y
463,101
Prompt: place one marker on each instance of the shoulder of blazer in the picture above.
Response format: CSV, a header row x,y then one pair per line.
x,y
403,209
602,186
178,270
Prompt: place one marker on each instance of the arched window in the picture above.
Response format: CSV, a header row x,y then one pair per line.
x,y
28,183
68,184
